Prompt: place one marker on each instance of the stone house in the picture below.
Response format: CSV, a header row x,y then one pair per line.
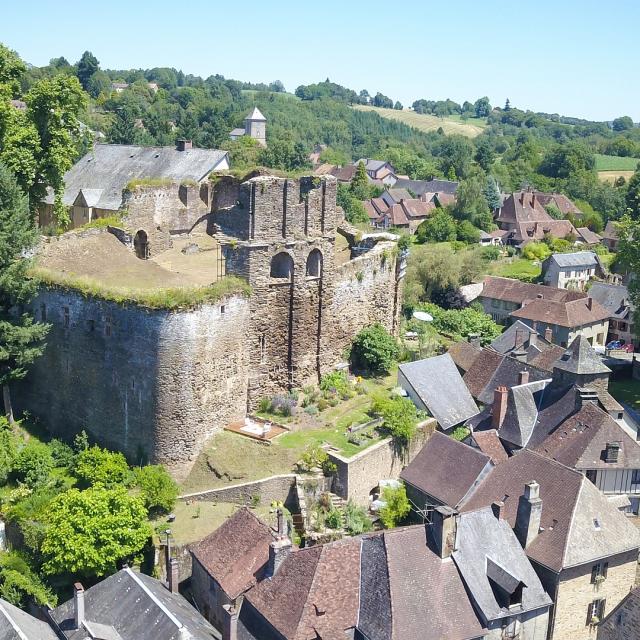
x,y
379,171
255,126
230,561
96,185
500,297
572,270
623,622
610,236
615,299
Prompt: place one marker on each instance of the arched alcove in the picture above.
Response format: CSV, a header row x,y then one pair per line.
x,y
282,266
314,264
141,245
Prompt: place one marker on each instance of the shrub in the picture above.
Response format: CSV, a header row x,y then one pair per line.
x,y
100,466
459,323
460,433
62,454
8,449
19,583
33,464
356,519
490,253
311,409
333,519
265,405
284,404
536,251
397,506
335,382
400,416
322,404
374,350
316,456
159,489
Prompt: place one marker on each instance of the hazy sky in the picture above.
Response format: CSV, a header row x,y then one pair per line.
x,y
577,57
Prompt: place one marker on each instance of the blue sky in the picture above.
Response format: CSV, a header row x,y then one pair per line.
x,y
578,58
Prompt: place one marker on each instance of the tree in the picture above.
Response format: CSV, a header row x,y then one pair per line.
x,y
455,154
380,100
20,337
492,193
359,187
468,233
33,464
471,204
633,196
440,227
400,417
398,105
396,508
482,107
87,66
284,155
623,123
89,533
19,583
123,127
101,466
353,208
159,489
98,83
507,105
277,86
485,155
374,350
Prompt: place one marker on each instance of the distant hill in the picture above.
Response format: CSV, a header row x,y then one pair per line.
x,y
424,122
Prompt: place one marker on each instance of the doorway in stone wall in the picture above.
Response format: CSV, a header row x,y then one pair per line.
x,y
141,245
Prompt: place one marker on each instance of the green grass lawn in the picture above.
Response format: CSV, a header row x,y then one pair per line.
x,y
627,391
615,163
515,269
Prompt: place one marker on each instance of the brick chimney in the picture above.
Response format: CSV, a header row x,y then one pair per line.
x,y
444,530
585,395
282,523
174,575
497,508
529,514
499,409
78,605
589,303
279,549
533,338
548,334
523,377
230,622
612,452
184,145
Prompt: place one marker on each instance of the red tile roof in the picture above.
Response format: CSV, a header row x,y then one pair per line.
x,y
518,292
490,444
569,313
590,237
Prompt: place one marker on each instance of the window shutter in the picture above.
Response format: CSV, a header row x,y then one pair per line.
x,y
605,567
589,613
601,604
594,573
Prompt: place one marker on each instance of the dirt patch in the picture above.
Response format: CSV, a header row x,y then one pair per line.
x,y
611,176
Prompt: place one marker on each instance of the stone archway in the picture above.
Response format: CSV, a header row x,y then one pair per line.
x,y
314,264
141,245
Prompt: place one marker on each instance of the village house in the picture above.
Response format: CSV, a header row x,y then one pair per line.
x,y
558,200
397,208
95,185
610,236
130,606
588,237
616,300
420,187
623,622
255,126
435,385
500,297
523,215
379,171
572,270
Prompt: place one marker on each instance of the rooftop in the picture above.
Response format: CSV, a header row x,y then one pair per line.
x,y
581,358
577,259
16,624
567,313
516,291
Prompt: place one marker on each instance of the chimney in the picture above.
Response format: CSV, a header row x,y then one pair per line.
x,y
499,408
230,622
548,334
612,451
474,339
589,303
282,523
184,145
498,509
523,377
529,514
78,605
585,395
533,338
174,575
444,530
533,200
522,198
279,549
519,339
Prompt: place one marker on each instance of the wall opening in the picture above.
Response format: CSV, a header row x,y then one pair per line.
x,y
314,264
141,245
282,266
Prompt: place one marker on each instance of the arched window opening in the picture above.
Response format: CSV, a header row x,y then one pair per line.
x,y
314,264
282,266
141,245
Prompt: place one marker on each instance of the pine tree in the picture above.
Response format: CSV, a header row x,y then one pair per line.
x,y
20,337
507,105
360,183
492,193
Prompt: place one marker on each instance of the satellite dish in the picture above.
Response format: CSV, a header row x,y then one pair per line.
x,y
422,315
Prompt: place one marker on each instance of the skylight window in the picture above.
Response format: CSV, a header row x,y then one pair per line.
x,y
596,524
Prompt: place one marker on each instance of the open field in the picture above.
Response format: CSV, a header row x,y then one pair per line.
x,y
423,122
610,176
615,163
627,391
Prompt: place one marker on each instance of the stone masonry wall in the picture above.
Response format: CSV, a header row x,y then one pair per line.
x,y
153,384
575,594
358,475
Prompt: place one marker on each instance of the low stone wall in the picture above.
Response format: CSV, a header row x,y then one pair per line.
x,y
358,475
280,488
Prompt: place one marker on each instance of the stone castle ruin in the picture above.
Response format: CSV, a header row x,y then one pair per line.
x,y
157,383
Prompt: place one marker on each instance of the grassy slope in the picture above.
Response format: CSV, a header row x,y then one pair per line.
x,y
627,390
514,269
615,163
424,122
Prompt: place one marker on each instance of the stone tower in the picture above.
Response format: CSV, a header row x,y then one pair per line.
x,y
255,125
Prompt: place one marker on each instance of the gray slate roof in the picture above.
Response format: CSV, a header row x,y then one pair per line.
x,y
439,385
577,259
523,406
613,297
488,548
16,624
581,358
137,607
420,187
256,114
109,167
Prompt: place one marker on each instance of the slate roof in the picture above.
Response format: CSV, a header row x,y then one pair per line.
x,y
314,593
255,115
344,174
396,195
16,624
463,354
580,441
137,607
238,131
518,292
590,237
523,405
564,204
479,375
570,313
397,216
545,359
622,623
578,525
610,231
446,469
577,259
235,554
420,187
522,206
613,297
487,548
489,443
438,383
109,167
513,337
581,358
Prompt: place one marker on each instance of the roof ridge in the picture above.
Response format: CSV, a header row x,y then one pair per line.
x,y
307,602
571,520
12,622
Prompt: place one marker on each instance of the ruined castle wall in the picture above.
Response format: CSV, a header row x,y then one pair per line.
x,y
153,384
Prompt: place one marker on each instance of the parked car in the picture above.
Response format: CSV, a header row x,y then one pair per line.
x,y
628,348
615,344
